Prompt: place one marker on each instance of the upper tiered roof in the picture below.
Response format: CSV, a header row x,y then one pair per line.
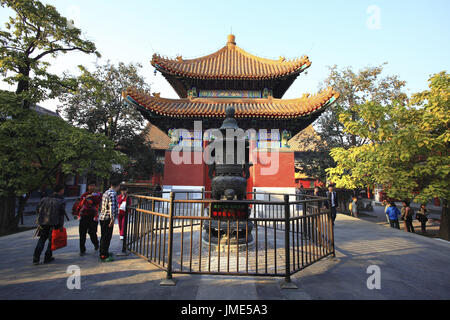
x,y
230,62
228,68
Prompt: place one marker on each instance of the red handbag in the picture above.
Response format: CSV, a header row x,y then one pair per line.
x,y
59,238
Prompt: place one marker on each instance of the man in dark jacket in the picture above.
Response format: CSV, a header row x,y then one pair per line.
x,y
51,211
333,199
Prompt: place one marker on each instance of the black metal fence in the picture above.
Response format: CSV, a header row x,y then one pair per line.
x,y
282,236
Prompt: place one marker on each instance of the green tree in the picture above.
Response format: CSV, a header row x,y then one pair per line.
x,y
37,32
33,148
354,89
368,84
143,158
407,147
97,105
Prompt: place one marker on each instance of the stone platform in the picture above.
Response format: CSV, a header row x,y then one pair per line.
x,y
412,267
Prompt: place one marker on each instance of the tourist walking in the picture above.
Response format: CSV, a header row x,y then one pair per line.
x,y
354,207
393,213
87,214
124,203
108,213
386,206
422,217
50,215
407,216
333,199
317,193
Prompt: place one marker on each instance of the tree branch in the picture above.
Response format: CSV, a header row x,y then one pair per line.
x,y
59,49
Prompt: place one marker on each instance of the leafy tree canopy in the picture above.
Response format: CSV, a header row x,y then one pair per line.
x,y
368,84
37,32
97,103
34,147
407,149
98,106
356,88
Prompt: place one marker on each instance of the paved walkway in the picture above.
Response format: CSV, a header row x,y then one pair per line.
x,y
412,267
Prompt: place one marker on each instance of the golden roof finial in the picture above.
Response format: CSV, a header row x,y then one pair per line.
x,y
231,39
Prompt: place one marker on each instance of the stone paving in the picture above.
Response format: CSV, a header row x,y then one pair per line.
x,y
412,267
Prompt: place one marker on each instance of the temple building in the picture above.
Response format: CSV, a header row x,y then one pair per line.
x,y
254,86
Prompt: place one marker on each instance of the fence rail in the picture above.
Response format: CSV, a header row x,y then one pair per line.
x,y
279,238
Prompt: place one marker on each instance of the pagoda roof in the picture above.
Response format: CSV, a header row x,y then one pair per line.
x,y
268,108
306,140
230,63
158,139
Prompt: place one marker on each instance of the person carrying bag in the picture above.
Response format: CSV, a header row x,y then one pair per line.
x,y
51,211
422,217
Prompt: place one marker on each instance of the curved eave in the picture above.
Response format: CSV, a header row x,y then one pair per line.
x,y
211,67
176,73
269,108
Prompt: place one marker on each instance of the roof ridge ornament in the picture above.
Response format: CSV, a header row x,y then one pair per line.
x,y
231,40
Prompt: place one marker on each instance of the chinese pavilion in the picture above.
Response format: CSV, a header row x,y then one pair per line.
x,y
254,86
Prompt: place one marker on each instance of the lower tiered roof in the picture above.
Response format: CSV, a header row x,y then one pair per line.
x,y
263,112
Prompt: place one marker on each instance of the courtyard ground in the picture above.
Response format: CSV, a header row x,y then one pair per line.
x,y
412,267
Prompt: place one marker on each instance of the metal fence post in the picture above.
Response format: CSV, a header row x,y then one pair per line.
x,y
287,283
331,223
169,281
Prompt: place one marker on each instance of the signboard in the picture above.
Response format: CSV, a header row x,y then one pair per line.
x,y
229,210
249,94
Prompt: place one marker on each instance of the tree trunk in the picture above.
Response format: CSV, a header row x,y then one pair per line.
x,y
23,86
444,229
8,219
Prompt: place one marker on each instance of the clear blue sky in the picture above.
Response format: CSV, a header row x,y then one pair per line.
x,y
412,36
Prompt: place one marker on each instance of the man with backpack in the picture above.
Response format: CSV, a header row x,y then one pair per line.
x,y
392,212
51,211
422,217
87,212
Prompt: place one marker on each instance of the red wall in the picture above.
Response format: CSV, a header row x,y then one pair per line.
x,y
283,178
184,174
197,174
